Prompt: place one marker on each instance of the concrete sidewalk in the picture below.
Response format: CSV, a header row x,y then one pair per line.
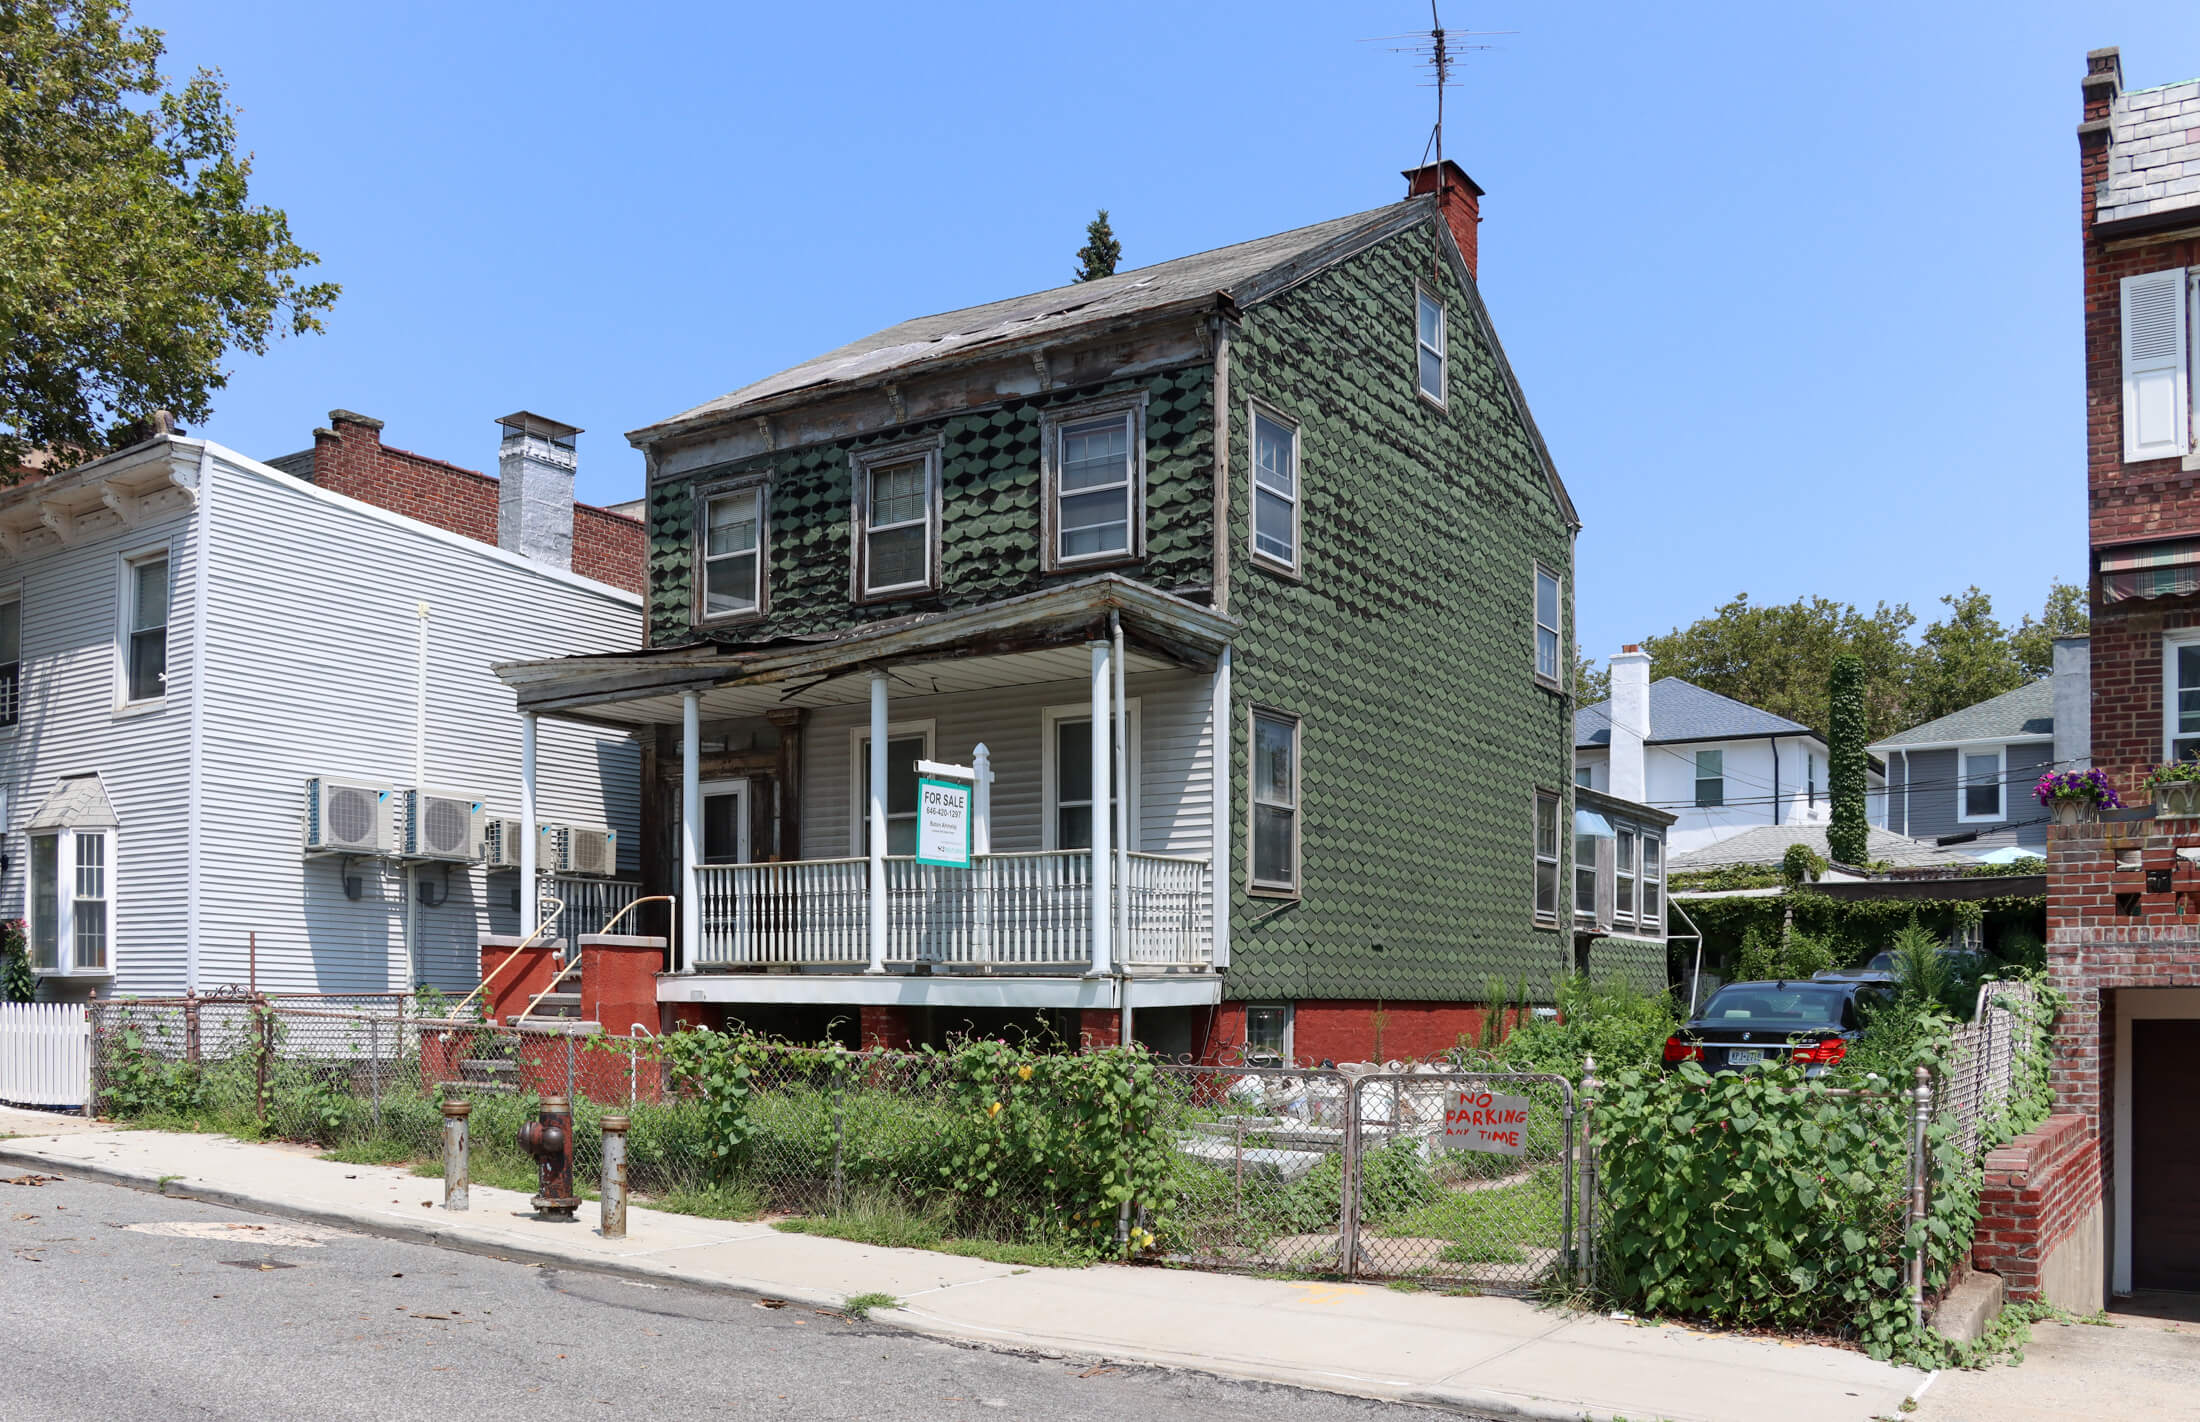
x,y
1491,1356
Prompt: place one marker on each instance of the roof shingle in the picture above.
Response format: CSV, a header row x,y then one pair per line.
x,y
2153,153
2027,711
1683,711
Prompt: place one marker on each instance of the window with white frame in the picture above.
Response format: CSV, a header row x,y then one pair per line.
x,y
2181,697
71,901
732,553
2161,314
1065,751
1275,803
1546,857
1710,779
1623,876
11,659
1589,828
1428,341
1546,625
1275,491
145,639
897,521
1651,917
1980,791
1585,775
1268,1034
1095,468
905,746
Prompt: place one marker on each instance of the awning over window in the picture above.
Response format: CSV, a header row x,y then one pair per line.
x,y
1588,824
2170,568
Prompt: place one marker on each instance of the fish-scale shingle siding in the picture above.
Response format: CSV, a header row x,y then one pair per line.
x,y
990,545
1408,649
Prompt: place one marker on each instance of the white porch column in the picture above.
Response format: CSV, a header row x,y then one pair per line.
x,y
1103,744
1221,731
981,800
878,824
530,896
691,826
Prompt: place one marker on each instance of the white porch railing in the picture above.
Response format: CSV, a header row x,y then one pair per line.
x,y
1028,911
45,1054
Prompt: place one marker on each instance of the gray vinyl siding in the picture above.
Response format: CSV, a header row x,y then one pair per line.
x,y
68,725
314,637
1175,761
1924,805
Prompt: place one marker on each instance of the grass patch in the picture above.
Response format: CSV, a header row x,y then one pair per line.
x,y
711,1202
896,1224
1495,1225
381,1152
860,1305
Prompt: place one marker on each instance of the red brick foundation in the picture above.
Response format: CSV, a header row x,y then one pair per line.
x,y
890,1028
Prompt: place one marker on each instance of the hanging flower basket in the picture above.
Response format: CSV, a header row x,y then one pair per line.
x,y
2076,797
2176,788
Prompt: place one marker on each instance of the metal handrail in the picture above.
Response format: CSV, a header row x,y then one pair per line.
x,y
609,924
557,911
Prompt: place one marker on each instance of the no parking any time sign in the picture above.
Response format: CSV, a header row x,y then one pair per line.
x,y
1477,1120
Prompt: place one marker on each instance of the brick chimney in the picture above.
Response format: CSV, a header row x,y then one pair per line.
x,y
1629,713
1462,205
535,466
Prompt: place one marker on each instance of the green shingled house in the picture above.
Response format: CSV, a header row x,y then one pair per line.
x,y
1231,595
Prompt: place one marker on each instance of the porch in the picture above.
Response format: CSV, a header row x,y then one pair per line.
x,y
1082,724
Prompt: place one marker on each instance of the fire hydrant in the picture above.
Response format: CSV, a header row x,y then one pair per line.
x,y
549,1139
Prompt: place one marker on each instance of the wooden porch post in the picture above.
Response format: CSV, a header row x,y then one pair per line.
x,y
877,934
1103,745
789,721
691,827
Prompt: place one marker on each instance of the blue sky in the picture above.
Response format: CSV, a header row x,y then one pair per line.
x,y
1793,289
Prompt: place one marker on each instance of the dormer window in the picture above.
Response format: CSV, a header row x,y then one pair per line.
x,y
1095,469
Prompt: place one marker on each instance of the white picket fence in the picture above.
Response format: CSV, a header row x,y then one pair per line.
x,y
45,1053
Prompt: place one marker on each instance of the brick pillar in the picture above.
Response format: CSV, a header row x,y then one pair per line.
x,y
619,981
517,984
1462,206
890,1028
1099,1027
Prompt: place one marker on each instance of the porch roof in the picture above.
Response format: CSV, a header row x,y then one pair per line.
x,y
1015,642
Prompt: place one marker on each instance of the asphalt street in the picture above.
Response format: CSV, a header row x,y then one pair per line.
x,y
119,1304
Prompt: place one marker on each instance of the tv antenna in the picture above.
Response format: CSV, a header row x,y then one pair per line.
x,y
1437,48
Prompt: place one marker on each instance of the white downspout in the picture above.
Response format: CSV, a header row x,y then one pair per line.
x,y
877,932
1121,723
202,537
1102,745
411,872
1221,727
691,826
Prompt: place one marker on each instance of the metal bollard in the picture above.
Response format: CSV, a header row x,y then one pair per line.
x,y
612,1207
454,1153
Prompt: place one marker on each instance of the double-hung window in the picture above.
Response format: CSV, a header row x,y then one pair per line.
x,y
1275,491
1546,857
897,520
1546,626
1623,877
145,631
71,908
1095,465
11,660
2161,314
905,746
1275,837
1651,916
732,553
1710,779
1428,342
1589,828
1066,751
2181,696
1981,787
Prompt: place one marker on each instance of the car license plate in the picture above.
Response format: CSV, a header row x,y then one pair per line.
x,y
1745,1056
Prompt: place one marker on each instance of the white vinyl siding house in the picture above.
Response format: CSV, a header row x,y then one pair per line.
x,y
1968,776
300,653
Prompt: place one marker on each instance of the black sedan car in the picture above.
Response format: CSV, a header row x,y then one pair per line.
x,y
1748,1025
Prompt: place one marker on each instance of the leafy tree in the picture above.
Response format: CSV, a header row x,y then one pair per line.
x,y
1779,657
1592,683
1963,659
1097,258
1848,832
2066,615
132,253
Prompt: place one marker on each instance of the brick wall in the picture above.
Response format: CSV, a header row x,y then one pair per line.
x,y
2037,1191
349,458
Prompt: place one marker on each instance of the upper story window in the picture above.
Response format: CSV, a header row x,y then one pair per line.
x,y
2161,313
11,659
732,553
1585,775
1275,491
145,628
1710,779
1275,803
1095,470
1981,790
1546,857
2181,697
1428,340
1619,874
1546,625
897,520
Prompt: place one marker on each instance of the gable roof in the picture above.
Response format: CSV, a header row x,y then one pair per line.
x,y
1768,844
1683,711
1240,273
2013,715
75,802
2153,153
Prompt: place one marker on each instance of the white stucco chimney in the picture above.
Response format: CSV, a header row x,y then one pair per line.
x,y
1630,721
2073,672
535,467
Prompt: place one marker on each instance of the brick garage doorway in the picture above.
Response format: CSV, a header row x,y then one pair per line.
x,y
2165,1154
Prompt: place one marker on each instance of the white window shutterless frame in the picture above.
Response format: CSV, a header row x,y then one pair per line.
x,y
2181,696
1065,769
11,658
731,551
1275,521
70,904
144,630
2158,313
1094,466
897,520
1431,364
726,822
1545,901
1980,792
1273,843
1547,640
907,742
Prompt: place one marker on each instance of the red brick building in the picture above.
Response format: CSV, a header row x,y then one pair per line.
x,y
2124,897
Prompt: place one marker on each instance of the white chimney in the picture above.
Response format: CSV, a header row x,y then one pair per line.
x,y
1630,715
535,467
2073,671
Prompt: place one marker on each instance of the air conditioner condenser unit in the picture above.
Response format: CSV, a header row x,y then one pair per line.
x,y
587,850
349,817
500,844
434,824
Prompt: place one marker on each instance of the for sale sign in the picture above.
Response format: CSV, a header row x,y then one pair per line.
x,y
943,823
1475,1119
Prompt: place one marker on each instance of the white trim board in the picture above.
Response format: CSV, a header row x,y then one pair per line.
x,y
900,990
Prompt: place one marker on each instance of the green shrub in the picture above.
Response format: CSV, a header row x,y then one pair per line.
x,y
1613,1021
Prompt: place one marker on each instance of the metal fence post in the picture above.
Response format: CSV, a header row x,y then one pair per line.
x,y
1348,1231
454,1153
1572,1259
569,1095
1921,1110
1588,1209
612,1206
374,1070
840,1140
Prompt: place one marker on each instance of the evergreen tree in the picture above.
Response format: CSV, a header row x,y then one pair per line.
x,y
1847,767
1097,258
